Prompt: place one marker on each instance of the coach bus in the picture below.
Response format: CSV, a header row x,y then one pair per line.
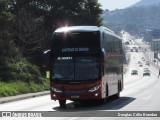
x,y
86,64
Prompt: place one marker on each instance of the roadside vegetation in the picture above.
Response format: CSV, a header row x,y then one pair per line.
x,y
19,87
18,76
26,28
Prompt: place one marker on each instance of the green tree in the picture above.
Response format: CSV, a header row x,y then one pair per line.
x,y
28,33
74,12
57,13
50,14
92,12
7,47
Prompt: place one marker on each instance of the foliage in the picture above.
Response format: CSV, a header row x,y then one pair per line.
x,y
28,33
6,18
26,28
56,13
20,69
19,87
7,46
35,20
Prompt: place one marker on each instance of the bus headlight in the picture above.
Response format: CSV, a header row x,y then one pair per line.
x,y
93,89
56,90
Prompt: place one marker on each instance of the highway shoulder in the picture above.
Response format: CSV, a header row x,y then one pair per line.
x,y
21,97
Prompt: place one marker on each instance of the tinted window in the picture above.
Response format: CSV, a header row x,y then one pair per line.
x,y
89,40
86,68
75,68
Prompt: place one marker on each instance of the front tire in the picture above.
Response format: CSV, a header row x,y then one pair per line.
x,y
116,96
62,103
103,101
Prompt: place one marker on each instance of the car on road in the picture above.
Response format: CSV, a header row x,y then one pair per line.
x,y
146,72
145,69
147,63
139,62
134,72
154,60
140,65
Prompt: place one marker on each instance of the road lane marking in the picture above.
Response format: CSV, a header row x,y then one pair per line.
x,y
147,98
73,118
92,118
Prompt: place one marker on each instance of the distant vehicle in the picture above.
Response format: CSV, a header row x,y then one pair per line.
x,y
146,72
131,50
126,43
136,50
134,72
147,63
140,65
139,62
154,60
145,69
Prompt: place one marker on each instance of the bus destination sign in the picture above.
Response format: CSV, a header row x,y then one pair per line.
x,y
75,50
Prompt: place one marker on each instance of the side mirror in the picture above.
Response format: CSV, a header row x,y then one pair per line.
x,y
45,63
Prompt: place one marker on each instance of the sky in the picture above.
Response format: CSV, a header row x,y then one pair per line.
x,y
119,4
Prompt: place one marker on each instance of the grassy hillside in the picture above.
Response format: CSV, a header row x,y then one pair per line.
x,y
18,76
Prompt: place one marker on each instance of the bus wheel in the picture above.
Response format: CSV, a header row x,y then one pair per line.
x,y
107,90
117,95
103,101
119,89
62,103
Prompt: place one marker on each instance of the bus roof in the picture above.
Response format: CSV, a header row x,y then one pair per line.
x,y
78,28
106,29
85,29
110,32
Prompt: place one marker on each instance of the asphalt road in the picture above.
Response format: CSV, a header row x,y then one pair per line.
x,y
141,93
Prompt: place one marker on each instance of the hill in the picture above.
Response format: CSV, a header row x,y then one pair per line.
x,y
146,3
133,19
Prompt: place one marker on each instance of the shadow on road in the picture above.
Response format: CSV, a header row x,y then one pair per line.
x,y
111,104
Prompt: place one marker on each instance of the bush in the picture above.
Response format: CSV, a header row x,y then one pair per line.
x,y
20,69
19,87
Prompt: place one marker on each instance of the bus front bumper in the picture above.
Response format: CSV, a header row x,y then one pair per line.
x,y
76,95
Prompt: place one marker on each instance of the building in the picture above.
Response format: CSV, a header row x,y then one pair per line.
x,y
155,46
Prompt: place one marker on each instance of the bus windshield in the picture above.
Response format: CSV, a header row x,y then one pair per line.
x,y
75,68
74,40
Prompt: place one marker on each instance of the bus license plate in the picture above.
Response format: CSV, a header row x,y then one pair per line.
x,y
75,96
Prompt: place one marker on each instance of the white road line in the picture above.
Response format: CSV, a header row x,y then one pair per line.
x,y
147,98
73,118
92,118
